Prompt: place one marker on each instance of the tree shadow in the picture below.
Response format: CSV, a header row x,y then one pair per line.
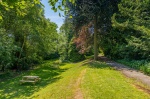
x,y
96,64
12,89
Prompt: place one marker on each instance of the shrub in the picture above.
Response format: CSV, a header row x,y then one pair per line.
x,y
74,54
141,65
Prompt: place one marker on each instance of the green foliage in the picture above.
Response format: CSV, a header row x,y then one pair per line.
x,y
33,36
55,55
74,54
126,46
133,15
65,36
20,6
139,47
94,14
6,49
129,38
83,12
63,46
141,65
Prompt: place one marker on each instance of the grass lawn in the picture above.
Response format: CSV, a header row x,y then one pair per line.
x,y
88,80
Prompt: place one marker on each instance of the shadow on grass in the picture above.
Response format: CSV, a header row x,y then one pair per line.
x,y
11,89
96,64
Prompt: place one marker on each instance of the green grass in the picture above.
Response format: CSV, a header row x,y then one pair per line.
x,y
59,82
102,82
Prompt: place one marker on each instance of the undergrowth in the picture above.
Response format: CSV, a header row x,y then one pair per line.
x,y
141,65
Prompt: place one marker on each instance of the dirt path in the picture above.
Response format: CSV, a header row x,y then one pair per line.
x,y
128,71
78,92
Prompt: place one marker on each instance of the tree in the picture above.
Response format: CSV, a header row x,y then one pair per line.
x,y
136,15
33,36
6,49
84,40
85,11
66,36
133,21
95,11
20,6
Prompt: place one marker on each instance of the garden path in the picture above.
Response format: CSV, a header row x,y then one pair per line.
x,y
129,72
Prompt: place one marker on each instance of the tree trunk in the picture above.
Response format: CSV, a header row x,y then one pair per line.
x,y
95,38
21,39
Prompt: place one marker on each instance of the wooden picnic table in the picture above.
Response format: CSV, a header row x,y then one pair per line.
x,y
32,79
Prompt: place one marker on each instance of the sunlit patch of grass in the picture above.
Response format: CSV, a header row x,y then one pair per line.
x,y
103,82
58,81
64,88
12,89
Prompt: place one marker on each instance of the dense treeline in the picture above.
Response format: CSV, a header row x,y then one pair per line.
x,y
131,24
26,36
123,27
120,29
90,20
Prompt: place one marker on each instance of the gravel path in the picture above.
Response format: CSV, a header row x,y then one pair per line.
x,y
128,71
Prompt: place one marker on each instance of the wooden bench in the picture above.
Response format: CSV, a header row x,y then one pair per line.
x,y
30,79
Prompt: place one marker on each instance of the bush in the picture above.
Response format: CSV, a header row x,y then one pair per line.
x,y
6,49
141,65
52,56
74,54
